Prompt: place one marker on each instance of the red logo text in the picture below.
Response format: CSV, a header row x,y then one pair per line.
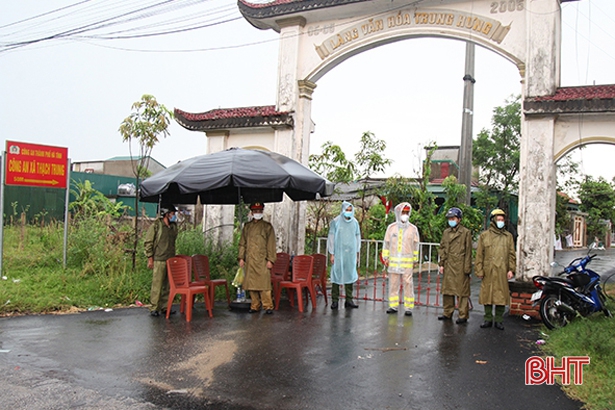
x,y
539,370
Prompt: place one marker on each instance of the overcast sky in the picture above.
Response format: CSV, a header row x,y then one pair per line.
x,y
74,91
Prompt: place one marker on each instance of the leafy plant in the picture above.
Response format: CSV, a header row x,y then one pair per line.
x,y
90,202
598,200
148,121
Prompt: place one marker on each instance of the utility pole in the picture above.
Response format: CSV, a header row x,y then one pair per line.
x,y
465,151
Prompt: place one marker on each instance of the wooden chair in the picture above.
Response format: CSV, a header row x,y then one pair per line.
x,y
319,277
280,272
303,267
200,268
179,283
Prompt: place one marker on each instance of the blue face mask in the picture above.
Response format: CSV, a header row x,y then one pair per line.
x,y
499,224
173,218
348,214
452,223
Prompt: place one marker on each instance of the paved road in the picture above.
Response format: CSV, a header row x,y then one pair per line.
x,y
322,359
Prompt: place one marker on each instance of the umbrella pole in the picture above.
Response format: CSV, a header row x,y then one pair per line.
x,y
241,303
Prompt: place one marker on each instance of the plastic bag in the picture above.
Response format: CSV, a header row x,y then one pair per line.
x,y
238,280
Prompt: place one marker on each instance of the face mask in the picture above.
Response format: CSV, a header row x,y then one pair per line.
x,y
499,224
348,214
258,217
452,223
173,218
404,218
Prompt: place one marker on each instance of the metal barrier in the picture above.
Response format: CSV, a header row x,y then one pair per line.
x,y
372,284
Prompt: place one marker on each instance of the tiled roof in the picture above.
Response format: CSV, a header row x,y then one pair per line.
x,y
266,4
587,92
242,117
568,100
282,7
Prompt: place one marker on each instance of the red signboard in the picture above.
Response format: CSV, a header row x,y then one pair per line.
x,y
36,165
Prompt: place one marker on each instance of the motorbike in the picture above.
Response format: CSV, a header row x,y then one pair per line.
x,y
575,291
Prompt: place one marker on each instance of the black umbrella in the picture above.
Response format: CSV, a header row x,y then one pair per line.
x,y
226,177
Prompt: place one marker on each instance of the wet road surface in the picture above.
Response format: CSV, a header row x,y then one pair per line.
x,y
321,359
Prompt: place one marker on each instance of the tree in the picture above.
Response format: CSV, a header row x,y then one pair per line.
x,y
598,201
496,153
333,165
369,160
149,120
424,208
455,195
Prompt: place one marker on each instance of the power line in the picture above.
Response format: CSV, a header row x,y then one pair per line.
x,y
45,14
219,15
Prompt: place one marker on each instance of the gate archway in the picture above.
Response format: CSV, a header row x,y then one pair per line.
x,y
318,35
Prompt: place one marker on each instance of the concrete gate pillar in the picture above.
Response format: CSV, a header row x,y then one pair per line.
x,y
295,96
537,170
218,220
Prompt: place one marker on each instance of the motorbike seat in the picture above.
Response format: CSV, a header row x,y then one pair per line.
x,y
564,281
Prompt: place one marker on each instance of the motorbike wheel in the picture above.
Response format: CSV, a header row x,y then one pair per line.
x,y
551,316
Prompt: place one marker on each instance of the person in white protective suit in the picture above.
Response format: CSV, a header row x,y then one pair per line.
x,y
343,245
399,253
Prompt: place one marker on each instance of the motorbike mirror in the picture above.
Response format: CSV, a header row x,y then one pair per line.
x,y
554,264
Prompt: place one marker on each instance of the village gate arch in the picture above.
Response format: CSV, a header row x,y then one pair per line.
x,y
317,35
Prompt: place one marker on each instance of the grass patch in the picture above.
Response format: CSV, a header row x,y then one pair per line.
x,y
593,336
99,270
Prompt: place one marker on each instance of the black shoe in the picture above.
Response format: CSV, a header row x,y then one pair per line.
x,y
154,313
334,305
350,305
268,312
461,321
499,326
253,311
391,310
408,313
444,317
486,324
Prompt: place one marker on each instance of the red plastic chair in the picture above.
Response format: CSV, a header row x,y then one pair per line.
x,y
303,267
319,277
179,282
200,268
280,272
182,302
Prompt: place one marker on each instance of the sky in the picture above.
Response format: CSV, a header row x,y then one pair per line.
x,y
75,90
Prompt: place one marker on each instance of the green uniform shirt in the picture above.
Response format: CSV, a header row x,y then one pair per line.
x,y
160,240
495,256
256,248
456,259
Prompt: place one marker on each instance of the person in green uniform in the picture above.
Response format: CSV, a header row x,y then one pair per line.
x,y
257,252
160,246
495,266
456,266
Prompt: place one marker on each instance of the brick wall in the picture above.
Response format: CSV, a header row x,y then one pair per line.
x,y
520,299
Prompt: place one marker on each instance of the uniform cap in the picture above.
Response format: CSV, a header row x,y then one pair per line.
x,y
257,205
166,208
497,212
